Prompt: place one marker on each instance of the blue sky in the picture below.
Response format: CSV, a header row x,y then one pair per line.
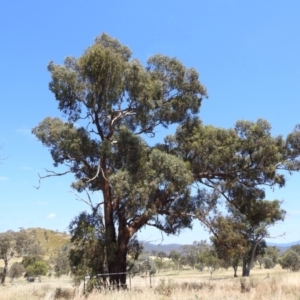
x,y
247,54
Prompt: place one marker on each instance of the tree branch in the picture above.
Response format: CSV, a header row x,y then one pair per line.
x,y
54,174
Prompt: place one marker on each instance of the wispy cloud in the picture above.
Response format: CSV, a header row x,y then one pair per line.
x,y
51,216
293,213
24,131
26,168
43,203
3,178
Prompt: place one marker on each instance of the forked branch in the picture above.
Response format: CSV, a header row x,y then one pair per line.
x,y
53,174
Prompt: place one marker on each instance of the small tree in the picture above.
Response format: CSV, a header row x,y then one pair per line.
x,y
16,271
268,263
159,264
87,253
161,255
191,254
7,246
176,258
273,253
242,232
60,261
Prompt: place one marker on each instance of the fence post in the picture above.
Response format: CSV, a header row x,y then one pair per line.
x,y
130,281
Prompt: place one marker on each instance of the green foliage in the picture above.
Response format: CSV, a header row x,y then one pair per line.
x,y
209,259
30,260
87,254
268,263
273,253
290,260
191,254
38,268
240,235
296,248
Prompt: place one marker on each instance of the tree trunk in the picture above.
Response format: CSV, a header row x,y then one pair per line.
x,y
110,233
116,247
246,267
121,263
4,273
248,261
235,271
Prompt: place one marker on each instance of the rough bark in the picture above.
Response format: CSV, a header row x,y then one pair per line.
x,y
249,260
246,267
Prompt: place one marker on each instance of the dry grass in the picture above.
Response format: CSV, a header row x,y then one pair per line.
x,y
190,285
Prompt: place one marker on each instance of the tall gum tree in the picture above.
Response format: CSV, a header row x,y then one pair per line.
x,y
111,100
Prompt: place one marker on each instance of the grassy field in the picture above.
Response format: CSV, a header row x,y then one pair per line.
x,y
189,284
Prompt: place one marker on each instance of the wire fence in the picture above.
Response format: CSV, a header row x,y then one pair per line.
x,y
106,281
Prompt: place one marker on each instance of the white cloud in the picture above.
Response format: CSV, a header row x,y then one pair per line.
x,y
293,214
43,203
24,131
51,216
26,168
3,178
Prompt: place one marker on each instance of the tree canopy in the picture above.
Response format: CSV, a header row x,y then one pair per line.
x,y
111,102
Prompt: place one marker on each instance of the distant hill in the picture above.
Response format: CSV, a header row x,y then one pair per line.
x,y
283,246
169,247
49,240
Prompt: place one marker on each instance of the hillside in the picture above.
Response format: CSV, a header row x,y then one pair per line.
x,y
49,240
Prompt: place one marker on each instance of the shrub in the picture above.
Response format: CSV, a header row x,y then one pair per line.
x,y
165,288
268,263
290,260
38,268
63,294
16,270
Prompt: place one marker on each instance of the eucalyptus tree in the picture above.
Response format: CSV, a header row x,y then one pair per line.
x,y
234,166
111,101
240,235
7,245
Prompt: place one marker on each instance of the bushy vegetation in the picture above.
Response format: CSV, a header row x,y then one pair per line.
x,y
290,260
